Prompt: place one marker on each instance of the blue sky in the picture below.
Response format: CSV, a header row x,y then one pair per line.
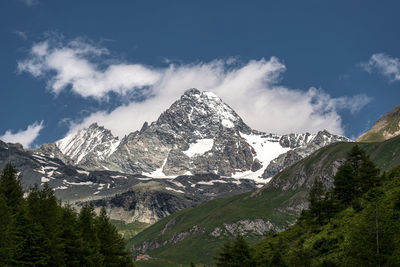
x,y
284,66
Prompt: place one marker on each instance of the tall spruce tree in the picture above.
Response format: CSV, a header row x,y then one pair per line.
x,y
345,184
316,197
91,243
112,244
11,188
6,237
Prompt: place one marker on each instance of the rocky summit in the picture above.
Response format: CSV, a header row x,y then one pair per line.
x,y
198,134
197,150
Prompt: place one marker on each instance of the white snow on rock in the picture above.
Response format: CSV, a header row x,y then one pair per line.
x,y
118,177
200,147
83,172
44,180
178,191
227,123
212,182
78,145
266,150
81,183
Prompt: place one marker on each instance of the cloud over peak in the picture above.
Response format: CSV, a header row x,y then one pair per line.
x,y
24,137
251,88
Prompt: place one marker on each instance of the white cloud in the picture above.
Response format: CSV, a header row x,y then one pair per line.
x,y
29,3
73,67
24,137
251,89
385,65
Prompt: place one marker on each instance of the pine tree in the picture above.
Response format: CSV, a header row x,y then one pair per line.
x,y
236,254
70,238
31,243
316,198
112,244
45,211
91,243
345,184
11,188
6,237
368,175
355,158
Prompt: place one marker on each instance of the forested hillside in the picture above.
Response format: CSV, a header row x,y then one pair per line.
x,y
356,223
36,230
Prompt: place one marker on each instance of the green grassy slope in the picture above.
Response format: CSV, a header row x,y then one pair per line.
x,y
349,238
273,203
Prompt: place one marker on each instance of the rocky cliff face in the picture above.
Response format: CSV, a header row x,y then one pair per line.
x,y
88,146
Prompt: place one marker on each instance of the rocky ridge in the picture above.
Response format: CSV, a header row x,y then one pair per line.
x,y
199,133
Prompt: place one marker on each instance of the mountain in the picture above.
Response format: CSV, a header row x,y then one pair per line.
x,y
388,126
197,150
198,134
196,234
128,197
88,146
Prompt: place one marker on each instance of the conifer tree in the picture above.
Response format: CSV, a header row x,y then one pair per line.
x,y
5,232
345,184
112,244
316,198
91,243
70,238
10,187
31,243
368,175
45,211
236,254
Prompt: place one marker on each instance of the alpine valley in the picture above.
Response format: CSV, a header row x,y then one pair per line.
x,y
198,149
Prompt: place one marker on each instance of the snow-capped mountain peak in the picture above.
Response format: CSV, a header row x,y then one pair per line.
x,y
93,142
201,114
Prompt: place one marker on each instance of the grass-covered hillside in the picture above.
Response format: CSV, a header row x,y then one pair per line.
x,y
356,223
196,234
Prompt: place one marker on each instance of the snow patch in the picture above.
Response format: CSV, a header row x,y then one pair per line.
x,y
266,149
118,177
200,147
178,191
61,188
227,123
80,183
83,172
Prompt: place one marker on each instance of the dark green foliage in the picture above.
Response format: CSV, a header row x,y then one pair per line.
x,y
316,199
112,245
235,254
5,230
355,224
10,187
345,184
39,231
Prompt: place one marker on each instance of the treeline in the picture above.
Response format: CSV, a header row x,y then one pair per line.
x,y
355,223
36,230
